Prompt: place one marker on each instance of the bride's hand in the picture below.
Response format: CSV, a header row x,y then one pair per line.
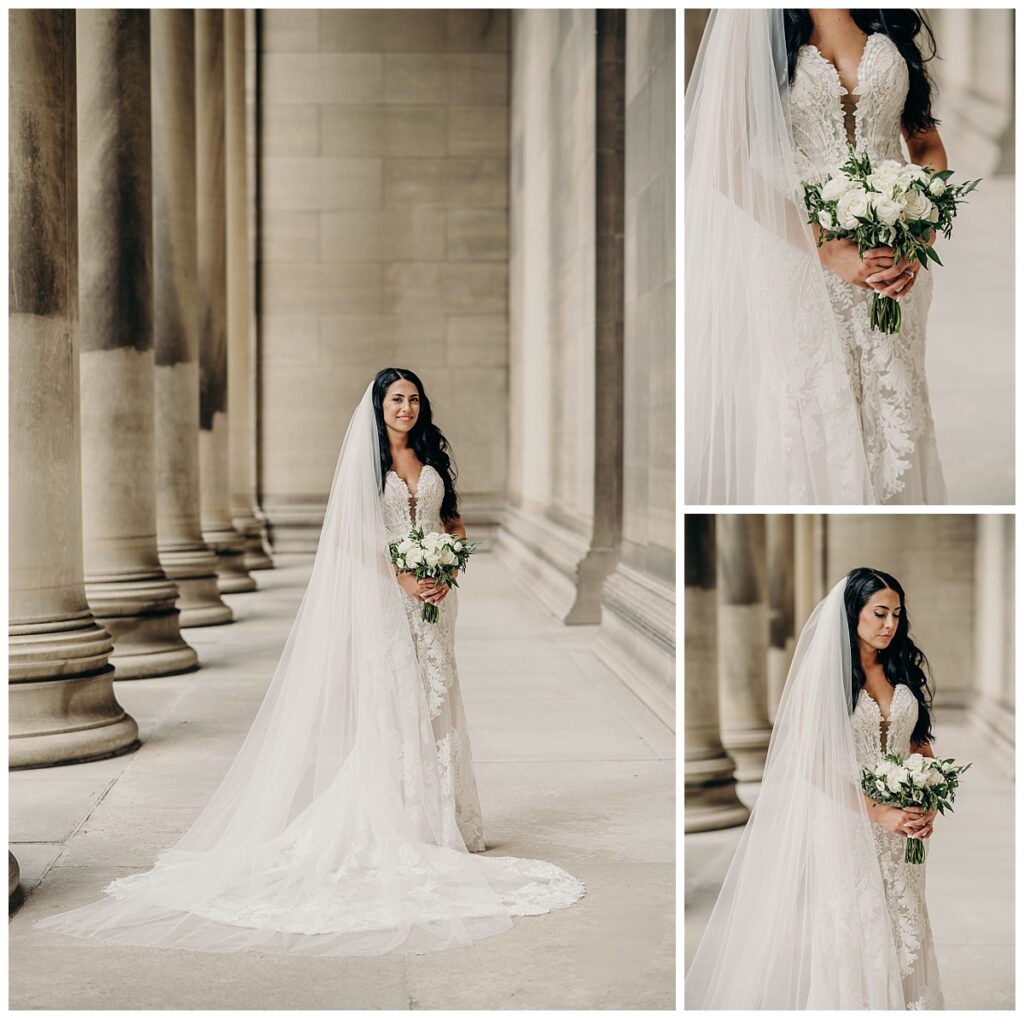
x,y
412,587
906,821
433,592
843,259
893,280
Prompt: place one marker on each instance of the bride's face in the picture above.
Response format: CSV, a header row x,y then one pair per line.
x,y
876,625
401,405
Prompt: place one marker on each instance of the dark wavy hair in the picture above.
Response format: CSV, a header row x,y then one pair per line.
x,y
903,661
903,27
426,439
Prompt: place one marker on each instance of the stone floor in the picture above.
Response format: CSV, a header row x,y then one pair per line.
x,y
970,876
572,768
970,359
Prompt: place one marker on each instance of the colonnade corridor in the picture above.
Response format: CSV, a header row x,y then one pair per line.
x,y
970,874
571,768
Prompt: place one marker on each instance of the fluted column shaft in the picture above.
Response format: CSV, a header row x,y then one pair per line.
x,y
126,586
211,226
185,557
239,295
710,785
743,641
61,702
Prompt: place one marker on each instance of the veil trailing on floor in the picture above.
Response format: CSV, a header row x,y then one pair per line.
x,y
770,416
331,833
801,921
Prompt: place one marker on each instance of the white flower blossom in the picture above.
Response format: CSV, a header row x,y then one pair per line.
x,y
937,186
853,204
916,206
825,219
836,187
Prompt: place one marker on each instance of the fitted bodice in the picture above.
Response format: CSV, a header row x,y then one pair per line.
x,y
820,133
403,512
867,723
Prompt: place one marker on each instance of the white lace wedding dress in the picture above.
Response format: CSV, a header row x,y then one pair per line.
x,y
873,737
435,653
887,373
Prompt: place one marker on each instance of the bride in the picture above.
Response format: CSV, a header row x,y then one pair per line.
x,y
342,825
791,396
818,908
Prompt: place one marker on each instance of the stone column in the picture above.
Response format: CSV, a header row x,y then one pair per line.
x,y
125,584
710,786
218,530
779,530
239,296
61,700
743,641
185,557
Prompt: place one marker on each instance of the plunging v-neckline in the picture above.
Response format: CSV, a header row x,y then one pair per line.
x,y
413,492
843,90
888,717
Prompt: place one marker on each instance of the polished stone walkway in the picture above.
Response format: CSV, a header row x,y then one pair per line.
x,y
571,768
970,876
970,355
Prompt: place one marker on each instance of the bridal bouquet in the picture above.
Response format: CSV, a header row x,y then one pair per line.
x,y
436,556
926,782
893,204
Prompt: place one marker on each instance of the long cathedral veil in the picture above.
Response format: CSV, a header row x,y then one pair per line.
x,y
801,921
331,832
770,416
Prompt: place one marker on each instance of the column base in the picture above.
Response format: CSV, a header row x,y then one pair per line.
x,y
749,749
256,556
64,721
710,800
232,575
194,570
50,648
637,637
150,645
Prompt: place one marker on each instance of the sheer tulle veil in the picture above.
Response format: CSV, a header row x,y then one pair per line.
x,y
331,833
770,416
801,920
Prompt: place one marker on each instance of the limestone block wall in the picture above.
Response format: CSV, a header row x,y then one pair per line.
x,y
552,246
639,596
382,240
933,557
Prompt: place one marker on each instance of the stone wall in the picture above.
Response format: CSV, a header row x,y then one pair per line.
x,y
933,557
382,240
639,596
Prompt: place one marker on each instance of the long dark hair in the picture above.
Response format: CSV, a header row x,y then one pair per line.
x,y
903,661
426,439
903,27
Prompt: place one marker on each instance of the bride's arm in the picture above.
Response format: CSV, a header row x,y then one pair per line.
x,y
926,149
455,526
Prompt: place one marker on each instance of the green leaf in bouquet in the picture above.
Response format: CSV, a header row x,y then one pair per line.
x,y
933,256
945,174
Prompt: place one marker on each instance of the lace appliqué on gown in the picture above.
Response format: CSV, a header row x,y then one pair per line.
x,y
887,373
435,653
904,883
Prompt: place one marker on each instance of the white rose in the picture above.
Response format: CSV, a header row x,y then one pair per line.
x,y
933,213
887,210
414,557
432,540
825,219
880,785
911,172
933,777
897,778
937,186
431,559
889,166
405,545
448,557
853,204
835,187
883,182
915,205
915,762
918,778
884,768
